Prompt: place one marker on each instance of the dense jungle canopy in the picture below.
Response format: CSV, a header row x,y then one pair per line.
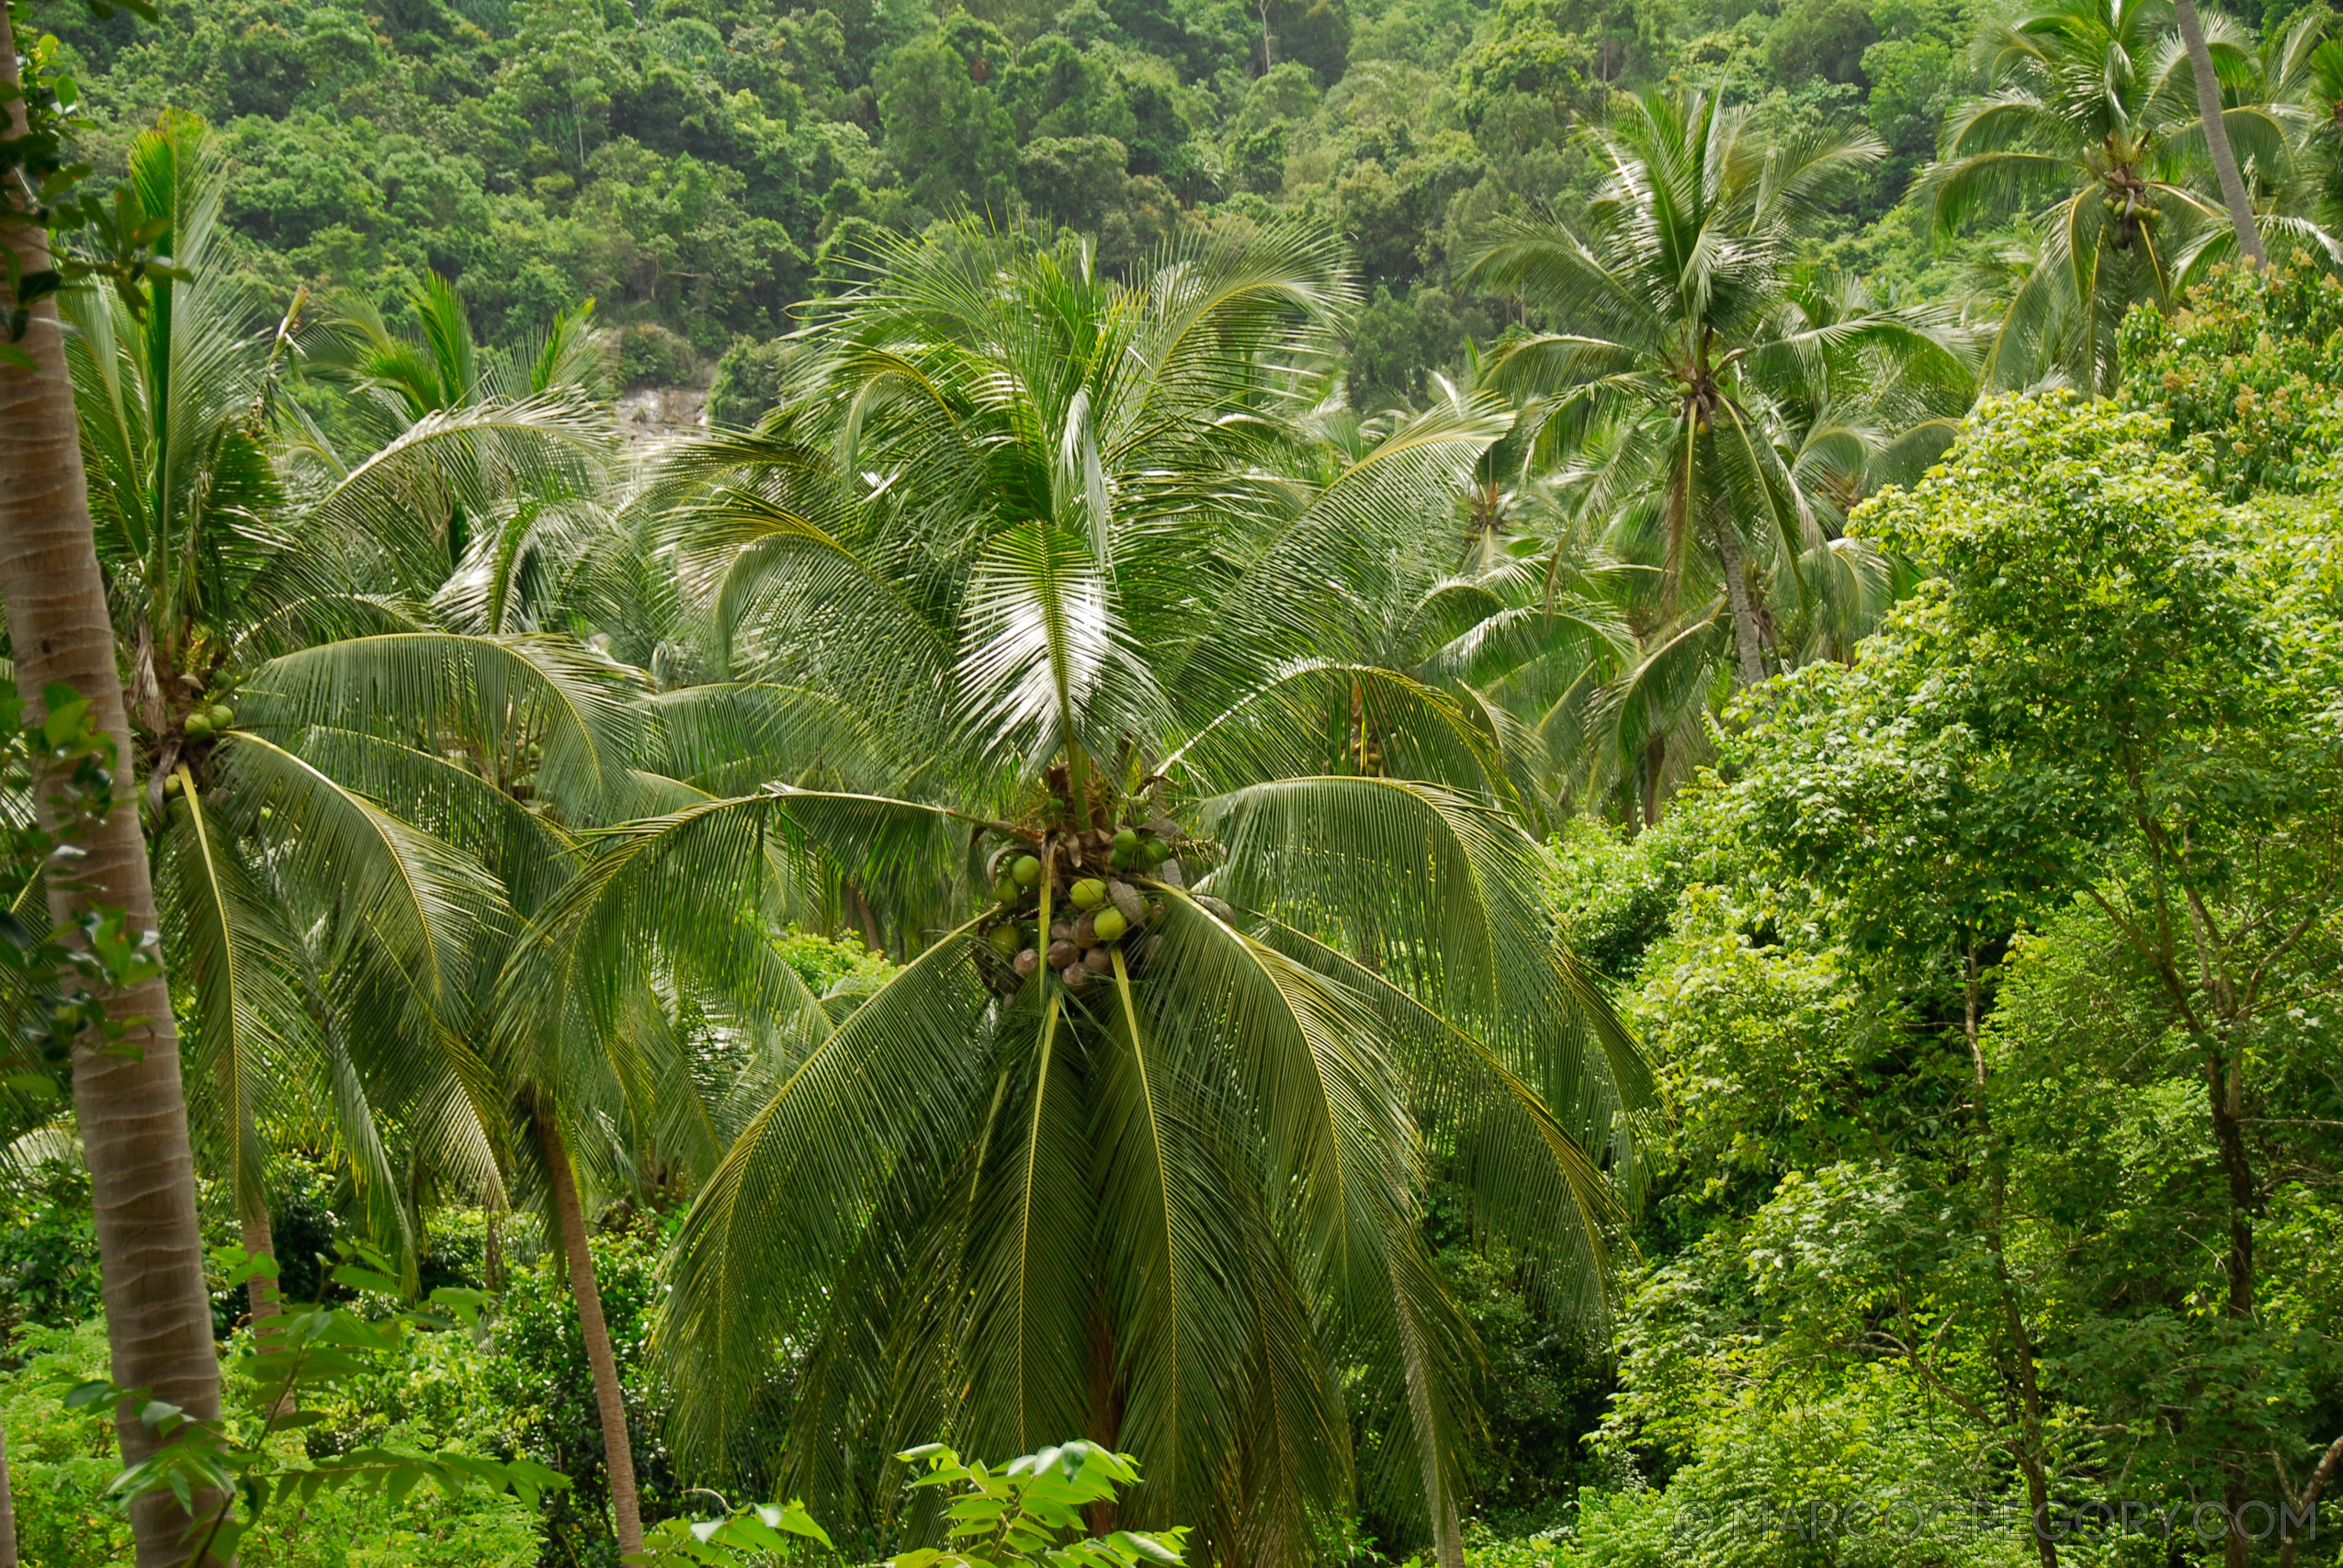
x,y
1510,783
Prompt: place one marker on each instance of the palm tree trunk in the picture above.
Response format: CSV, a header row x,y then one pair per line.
x,y
261,1294
609,1395
1737,598
7,1508
265,1303
129,1104
2216,133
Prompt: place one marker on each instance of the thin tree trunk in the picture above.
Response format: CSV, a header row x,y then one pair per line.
x,y
1655,763
7,1508
2225,1095
2307,1501
2022,1345
1737,597
2216,133
263,1298
609,1396
132,1110
266,1304
864,921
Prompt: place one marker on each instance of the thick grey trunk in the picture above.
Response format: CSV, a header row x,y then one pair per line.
x,y
2216,133
609,1395
130,1105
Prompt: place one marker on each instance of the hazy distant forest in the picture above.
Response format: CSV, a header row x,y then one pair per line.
x,y
1496,782
701,168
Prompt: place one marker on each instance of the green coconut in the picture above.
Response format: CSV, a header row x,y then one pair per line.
x,y
1088,893
198,726
222,715
1126,838
1027,871
1120,859
171,785
1006,941
1006,890
1110,925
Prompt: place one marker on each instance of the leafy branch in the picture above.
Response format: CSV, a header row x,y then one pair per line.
x,y
308,1348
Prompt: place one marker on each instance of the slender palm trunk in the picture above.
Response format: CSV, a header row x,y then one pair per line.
x,y
1737,598
265,1302
129,1104
609,1396
2216,133
7,1508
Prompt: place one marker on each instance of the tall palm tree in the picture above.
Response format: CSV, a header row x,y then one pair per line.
x,y
1041,584
2301,85
320,936
130,1105
2214,121
1710,401
2090,131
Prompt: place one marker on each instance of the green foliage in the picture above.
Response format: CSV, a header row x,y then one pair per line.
x,y
1033,1510
833,964
746,1537
238,1459
48,1242
54,980
2245,371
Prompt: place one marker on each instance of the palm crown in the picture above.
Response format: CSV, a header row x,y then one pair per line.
x,y
272,596
1716,408
1100,607
2090,127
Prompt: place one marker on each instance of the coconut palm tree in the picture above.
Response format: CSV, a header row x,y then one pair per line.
x,y
131,1105
1679,340
320,937
2214,121
344,851
2091,131
1034,612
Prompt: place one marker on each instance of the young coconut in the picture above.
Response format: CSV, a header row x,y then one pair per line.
x,y
1006,941
198,726
1027,870
222,715
1110,926
1087,894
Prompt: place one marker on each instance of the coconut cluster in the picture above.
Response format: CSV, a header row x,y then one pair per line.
x,y
1095,912
205,722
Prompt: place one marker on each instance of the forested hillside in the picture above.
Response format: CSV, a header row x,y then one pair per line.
x,y
1552,783
701,165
